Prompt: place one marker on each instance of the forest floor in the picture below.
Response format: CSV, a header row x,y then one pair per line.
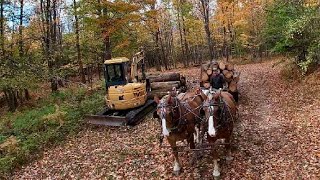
x,y
276,137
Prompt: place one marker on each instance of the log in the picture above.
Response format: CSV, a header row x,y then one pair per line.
x,y
224,72
205,66
233,86
228,74
230,67
204,77
222,65
165,85
229,79
160,93
163,77
214,66
236,76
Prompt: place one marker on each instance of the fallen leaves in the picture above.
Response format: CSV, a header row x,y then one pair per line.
x,y
277,137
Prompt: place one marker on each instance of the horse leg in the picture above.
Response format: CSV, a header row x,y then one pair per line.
x,y
201,138
197,134
192,146
216,171
228,144
176,165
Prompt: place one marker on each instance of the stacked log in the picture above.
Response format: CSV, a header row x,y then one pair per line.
x,y
225,68
163,77
165,85
161,83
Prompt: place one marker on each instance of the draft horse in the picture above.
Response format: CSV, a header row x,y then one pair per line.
x,y
179,114
220,113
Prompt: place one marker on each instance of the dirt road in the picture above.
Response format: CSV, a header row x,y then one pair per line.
x,y
276,137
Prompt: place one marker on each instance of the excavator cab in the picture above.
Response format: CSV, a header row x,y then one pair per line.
x,y
115,71
123,91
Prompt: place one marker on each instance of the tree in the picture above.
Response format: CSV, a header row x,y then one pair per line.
x,y
83,78
293,27
205,9
2,38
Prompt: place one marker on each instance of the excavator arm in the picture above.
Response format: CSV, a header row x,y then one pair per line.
x,y
138,57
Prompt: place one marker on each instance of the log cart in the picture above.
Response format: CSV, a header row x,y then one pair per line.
x,y
227,69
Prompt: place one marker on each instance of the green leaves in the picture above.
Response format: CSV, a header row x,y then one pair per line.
x,y
294,28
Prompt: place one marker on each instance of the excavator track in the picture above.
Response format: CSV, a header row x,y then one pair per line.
x,y
130,117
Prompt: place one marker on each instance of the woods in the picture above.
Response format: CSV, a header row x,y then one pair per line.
x,y
52,54
38,38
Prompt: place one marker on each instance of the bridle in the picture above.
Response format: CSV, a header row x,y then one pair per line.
x,y
181,121
222,118
175,108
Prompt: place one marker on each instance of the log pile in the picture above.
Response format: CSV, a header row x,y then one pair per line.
x,y
225,68
161,83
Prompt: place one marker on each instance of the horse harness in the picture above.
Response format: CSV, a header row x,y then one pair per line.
x,y
222,119
182,121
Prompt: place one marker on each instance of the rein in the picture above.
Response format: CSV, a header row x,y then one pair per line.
x,y
224,109
181,120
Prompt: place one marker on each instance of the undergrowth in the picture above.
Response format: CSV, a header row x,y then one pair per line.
x,y
24,134
291,72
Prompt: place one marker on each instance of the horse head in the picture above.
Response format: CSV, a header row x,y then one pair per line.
x,y
212,108
168,111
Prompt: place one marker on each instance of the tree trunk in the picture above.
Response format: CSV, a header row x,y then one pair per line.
x,y
83,78
163,53
20,30
158,55
205,13
181,40
185,41
2,28
27,94
107,46
11,99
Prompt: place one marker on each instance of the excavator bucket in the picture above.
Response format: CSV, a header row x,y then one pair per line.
x,y
121,117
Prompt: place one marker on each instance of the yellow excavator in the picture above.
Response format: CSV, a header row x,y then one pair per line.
x,y
127,94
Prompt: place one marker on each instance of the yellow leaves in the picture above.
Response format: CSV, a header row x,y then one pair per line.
x,y
57,117
123,45
120,6
244,18
240,23
151,13
10,145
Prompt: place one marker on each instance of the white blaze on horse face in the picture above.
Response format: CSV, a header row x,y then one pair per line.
x,y
164,127
211,129
205,92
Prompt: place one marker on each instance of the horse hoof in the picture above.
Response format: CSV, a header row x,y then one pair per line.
x,y
229,158
216,174
176,173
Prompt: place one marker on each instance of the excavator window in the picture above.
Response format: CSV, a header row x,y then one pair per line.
x,y
114,74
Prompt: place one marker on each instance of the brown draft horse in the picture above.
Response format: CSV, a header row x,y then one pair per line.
x,y
220,111
179,114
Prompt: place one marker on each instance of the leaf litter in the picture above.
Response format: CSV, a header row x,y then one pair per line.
x,y
276,137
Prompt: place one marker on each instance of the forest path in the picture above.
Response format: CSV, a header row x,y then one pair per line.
x,y
276,137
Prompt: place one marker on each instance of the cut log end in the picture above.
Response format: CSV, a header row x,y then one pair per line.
x,y
222,65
